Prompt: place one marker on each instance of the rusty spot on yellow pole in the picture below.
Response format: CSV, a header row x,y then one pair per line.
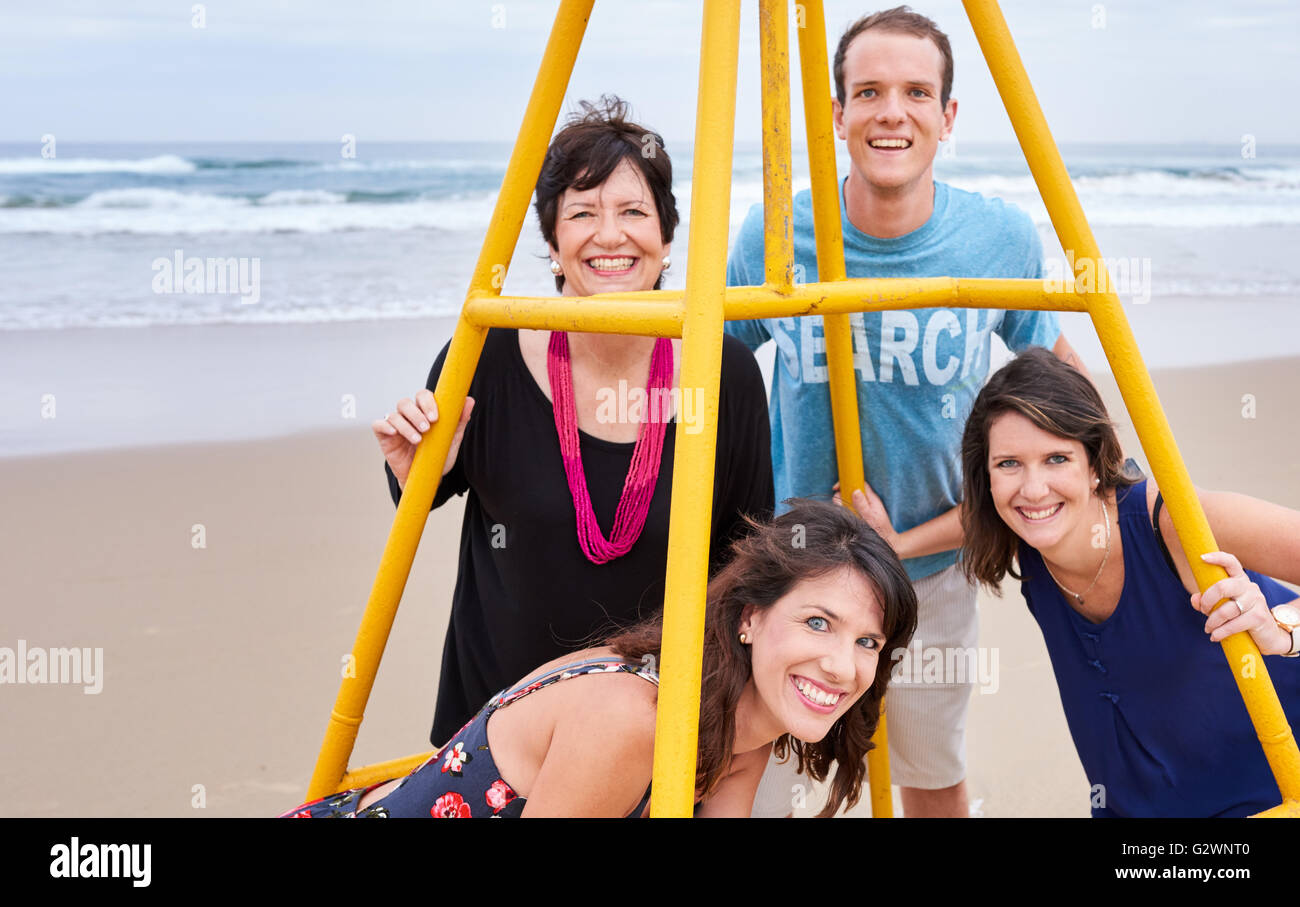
x,y
778,218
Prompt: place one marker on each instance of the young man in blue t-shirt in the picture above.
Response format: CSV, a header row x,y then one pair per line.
x,y
918,370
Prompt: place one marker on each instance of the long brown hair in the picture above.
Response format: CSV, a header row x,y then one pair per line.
x,y
1061,401
810,540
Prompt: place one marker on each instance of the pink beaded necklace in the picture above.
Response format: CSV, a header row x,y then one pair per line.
x,y
639,488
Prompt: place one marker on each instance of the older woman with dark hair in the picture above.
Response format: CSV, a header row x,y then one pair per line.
x,y
569,473
799,643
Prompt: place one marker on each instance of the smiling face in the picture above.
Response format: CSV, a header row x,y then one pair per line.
x,y
609,237
892,119
1041,484
814,653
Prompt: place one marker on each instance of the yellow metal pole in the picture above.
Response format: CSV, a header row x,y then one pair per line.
x,y
778,219
633,313
462,358
677,721
1134,381
839,336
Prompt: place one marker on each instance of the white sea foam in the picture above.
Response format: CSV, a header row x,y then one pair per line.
x,y
163,163
454,165
302,197
284,211
1156,184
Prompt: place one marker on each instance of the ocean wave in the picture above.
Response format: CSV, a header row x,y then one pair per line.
x,y
163,211
453,165
217,163
163,164
197,311
1162,183
302,197
168,199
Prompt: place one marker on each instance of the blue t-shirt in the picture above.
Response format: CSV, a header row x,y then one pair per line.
x,y
919,370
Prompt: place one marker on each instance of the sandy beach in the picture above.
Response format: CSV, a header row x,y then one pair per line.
x,y
220,663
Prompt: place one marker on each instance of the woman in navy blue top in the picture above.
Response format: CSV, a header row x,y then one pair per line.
x,y
1152,706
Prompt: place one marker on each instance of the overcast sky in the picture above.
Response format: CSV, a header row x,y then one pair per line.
x,y
438,70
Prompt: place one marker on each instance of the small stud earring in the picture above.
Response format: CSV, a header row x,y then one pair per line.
x,y
555,267
668,262
744,640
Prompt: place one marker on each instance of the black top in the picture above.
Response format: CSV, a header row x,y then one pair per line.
x,y
525,592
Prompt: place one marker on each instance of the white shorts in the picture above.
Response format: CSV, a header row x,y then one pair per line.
x,y
926,705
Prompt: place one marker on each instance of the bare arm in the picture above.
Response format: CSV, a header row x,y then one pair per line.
x,y
944,532
1260,535
1066,354
601,754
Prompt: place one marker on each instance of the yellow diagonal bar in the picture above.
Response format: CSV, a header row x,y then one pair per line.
x,y
1134,381
462,358
677,722
835,326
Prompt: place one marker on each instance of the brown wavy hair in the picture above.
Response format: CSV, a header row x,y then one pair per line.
x,y
588,149
765,565
1061,401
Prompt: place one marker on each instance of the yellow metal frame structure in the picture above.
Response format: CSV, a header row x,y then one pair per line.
x,y
697,316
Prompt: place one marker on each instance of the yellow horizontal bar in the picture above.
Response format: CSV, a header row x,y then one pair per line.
x,y
631,313
872,294
382,771
659,313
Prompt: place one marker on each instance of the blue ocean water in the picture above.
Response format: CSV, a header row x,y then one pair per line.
x,y
394,231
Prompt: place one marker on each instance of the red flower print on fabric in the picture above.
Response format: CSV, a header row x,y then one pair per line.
x,y
498,795
450,806
456,759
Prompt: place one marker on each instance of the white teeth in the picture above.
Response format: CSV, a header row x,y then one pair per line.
x,y
816,695
611,264
890,143
1040,514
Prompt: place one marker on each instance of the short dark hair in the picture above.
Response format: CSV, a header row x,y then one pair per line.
x,y
588,149
1058,399
765,565
899,19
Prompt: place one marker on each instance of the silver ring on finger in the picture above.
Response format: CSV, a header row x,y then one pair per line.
x,y
1243,609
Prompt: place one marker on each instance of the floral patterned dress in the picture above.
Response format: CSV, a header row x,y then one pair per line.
x,y
461,781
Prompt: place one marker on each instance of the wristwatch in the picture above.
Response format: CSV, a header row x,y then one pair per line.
x,y
1288,618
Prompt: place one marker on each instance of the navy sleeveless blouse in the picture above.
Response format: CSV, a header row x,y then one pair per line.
x,y
1151,703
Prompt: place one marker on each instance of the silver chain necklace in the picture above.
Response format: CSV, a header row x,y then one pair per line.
x,y
1105,514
